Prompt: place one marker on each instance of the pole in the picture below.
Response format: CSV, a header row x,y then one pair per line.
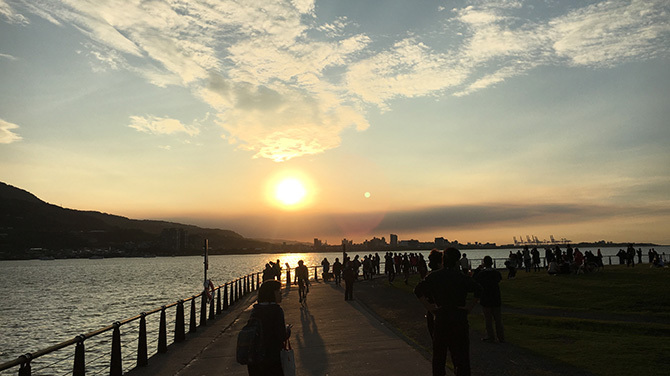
x,y
204,284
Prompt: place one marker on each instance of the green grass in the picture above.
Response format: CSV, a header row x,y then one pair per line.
x,y
613,322
617,289
629,333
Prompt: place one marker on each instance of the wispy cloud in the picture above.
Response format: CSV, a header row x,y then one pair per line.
x,y
8,57
267,66
6,134
158,125
11,15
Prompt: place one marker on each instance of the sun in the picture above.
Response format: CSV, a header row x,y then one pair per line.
x,y
290,192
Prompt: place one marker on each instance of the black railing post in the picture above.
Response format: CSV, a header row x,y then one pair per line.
x,y
203,309
192,327
316,274
246,285
79,368
179,334
142,342
218,301
211,308
115,366
25,368
258,280
237,289
162,333
225,296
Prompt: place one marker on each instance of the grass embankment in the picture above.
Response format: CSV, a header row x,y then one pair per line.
x,y
613,322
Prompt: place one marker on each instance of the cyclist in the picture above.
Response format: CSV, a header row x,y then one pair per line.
x,y
302,275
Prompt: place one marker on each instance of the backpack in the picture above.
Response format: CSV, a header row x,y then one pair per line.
x,y
249,342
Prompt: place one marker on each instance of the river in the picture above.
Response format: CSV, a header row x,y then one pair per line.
x,y
48,302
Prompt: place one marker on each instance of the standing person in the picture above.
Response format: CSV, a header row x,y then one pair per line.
x,y
275,333
268,273
449,288
465,265
405,268
434,263
526,258
288,276
491,301
302,274
277,269
389,267
535,255
326,269
349,276
337,271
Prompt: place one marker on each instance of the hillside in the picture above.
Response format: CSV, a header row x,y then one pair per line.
x,y
30,227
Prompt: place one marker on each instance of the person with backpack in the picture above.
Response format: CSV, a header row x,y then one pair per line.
x,y
262,354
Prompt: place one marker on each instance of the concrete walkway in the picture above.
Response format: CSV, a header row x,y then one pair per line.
x,y
330,337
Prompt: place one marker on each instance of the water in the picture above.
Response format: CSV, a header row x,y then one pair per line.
x,y
48,302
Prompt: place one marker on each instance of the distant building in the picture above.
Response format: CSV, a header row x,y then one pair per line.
x,y
394,240
317,243
441,243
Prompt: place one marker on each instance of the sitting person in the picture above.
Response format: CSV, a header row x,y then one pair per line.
x,y
553,267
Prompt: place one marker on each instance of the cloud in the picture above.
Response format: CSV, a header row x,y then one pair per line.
x,y
287,83
437,219
6,134
158,126
8,57
608,33
9,14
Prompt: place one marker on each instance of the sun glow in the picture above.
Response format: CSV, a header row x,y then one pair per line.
x,y
290,191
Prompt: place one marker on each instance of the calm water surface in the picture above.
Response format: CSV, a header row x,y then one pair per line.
x,y
48,302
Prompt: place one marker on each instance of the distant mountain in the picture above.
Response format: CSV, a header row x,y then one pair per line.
x,y
30,227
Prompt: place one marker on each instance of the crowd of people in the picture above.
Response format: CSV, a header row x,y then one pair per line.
x,y
447,278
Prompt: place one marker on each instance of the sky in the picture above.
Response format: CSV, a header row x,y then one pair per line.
x,y
476,121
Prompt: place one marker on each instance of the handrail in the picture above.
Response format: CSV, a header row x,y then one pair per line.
x,y
238,288
237,291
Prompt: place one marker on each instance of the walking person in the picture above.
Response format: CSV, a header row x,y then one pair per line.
x,y
302,274
270,314
449,288
491,301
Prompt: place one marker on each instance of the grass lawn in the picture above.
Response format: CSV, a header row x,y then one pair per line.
x,y
613,322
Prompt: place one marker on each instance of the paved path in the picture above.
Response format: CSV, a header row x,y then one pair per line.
x,y
330,337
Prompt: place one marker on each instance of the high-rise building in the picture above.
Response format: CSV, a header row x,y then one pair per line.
x,y
394,240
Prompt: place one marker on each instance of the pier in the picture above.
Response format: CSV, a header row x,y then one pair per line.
x,y
330,336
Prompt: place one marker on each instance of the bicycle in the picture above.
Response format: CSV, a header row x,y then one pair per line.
x,y
303,289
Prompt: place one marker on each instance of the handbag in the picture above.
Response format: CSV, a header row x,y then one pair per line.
x,y
287,359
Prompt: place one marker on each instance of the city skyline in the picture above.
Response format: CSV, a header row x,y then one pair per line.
x,y
298,119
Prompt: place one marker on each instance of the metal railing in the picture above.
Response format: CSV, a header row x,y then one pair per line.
x,y
233,291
